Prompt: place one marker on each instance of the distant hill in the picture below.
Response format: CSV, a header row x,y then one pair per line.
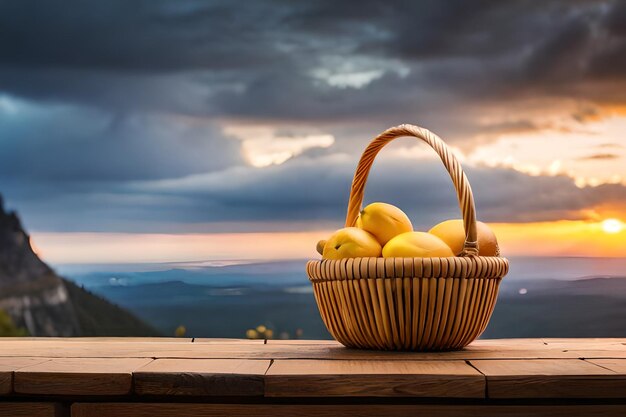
x,y
588,307
45,304
225,301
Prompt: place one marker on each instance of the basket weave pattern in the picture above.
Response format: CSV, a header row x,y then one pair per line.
x,y
409,303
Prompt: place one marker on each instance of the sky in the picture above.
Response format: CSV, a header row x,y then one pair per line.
x,y
188,130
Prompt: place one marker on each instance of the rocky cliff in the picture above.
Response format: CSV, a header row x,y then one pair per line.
x,y
45,304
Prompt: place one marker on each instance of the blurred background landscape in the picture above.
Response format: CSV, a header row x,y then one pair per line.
x,y
541,297
167,167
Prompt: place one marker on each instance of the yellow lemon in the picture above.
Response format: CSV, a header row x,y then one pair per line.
x,y
320,246
384,221
351,242
416,245
453,233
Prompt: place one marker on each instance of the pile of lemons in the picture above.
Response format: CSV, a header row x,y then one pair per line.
x,y
384,230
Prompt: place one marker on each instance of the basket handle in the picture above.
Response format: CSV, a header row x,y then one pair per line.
x,y
461,184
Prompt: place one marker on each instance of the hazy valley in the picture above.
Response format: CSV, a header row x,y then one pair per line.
x,y
570,297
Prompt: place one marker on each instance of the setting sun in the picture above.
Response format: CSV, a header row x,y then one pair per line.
x,y
612,226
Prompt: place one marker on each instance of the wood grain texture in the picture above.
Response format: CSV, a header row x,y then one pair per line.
x,y
616,365
304,342
565,378
594,353
120,349
102,339
568,342
369,410
479,349
203,377
33,409
339,378
78,376
8,366
316,376
228,341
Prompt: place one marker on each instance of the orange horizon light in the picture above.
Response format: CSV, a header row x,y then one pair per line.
x,y
612,226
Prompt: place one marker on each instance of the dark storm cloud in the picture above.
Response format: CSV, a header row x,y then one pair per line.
x,y
263,52
616,19
426,29
66,144
306,193
99,99
145,36
318,189
497,52
610,63
562,49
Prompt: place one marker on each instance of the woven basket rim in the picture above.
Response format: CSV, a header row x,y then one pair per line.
x,y
457,267
414,257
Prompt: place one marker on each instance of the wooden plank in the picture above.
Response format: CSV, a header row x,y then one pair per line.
x,y
213,377
32,409
114,349
587,344
83,376
521,343
339,378
357,410
503,349
564,378
303,342
598,354
101,339
122,349
228,341
585,340
8,366
616,365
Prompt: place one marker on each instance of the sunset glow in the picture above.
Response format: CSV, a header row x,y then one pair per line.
x,y
137,248
560,238
612,226
590,154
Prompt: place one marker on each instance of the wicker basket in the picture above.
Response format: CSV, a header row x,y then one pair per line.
x,y
409,303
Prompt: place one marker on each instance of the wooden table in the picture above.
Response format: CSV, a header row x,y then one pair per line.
x,y
86,377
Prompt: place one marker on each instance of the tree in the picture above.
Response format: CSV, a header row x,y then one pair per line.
x,y
8,328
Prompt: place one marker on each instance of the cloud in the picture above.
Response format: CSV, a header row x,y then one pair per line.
x,y
513,126
559,55
327,69
74,144
306,192
610,62
147,37
120,115
282,61
263,146
610,145
316,189
599,156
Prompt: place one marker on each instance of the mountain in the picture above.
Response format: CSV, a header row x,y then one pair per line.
x,y
45,304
